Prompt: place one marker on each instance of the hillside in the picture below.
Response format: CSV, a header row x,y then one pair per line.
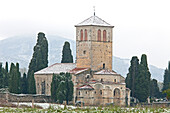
x,y
20,48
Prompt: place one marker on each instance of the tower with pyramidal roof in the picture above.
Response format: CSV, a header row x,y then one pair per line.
x,y
94,44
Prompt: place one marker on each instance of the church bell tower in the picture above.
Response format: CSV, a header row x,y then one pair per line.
x,y
94,44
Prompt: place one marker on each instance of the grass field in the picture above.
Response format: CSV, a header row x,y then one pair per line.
x,y
44,108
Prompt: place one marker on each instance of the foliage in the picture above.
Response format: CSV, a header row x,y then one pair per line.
x,y
1,76
14,84
138,79
39,60
24,84
62,87
6,75
66,53
31,82
53,88
166,81
12,79
154,89
131,76
143,80
167,92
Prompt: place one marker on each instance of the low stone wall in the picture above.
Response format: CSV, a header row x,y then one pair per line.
x,y
161,104
154,104
10,97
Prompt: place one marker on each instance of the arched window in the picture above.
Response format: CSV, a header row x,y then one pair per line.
x,y
99,35
81,35
117,93
85,34
104,35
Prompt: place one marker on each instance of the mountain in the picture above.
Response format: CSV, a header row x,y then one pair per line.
x,y
121,66
20,49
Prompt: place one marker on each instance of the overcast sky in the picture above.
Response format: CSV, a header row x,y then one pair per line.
x,y
141,26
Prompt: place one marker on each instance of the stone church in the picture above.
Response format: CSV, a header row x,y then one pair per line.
x,y
95,83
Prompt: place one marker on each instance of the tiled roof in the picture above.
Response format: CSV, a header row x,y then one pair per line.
x,y
57,68
105,72
78,70
85,87
94,20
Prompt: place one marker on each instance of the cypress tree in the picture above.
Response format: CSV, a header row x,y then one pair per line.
x,y
131,76
166,82
6,76
1,76
61,92
18,78
154,89
54,88
39,60
24,84
6,67
62,87
15,79
143,80
11,71
66,53
69,87
31,82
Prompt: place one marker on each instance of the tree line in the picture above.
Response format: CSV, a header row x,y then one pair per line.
x,y
139,80
12,79
25,84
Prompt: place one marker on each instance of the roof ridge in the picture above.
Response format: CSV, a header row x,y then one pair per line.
x,y
94,20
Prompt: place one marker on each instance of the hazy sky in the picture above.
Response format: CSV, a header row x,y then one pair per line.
x,y
141,26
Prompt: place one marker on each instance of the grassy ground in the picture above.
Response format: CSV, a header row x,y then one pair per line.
x,y
85,110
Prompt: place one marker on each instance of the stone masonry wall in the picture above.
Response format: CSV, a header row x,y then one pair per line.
x,y
9,97
93,53
39,79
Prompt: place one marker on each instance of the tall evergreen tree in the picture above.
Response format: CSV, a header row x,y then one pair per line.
x,y
31,82
143,80
62,87
6,75
18,78
1,76
166,82
39,60
69,87
131,76
61,92
15,79
54,88
66,53
154,89
13,85
24,84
